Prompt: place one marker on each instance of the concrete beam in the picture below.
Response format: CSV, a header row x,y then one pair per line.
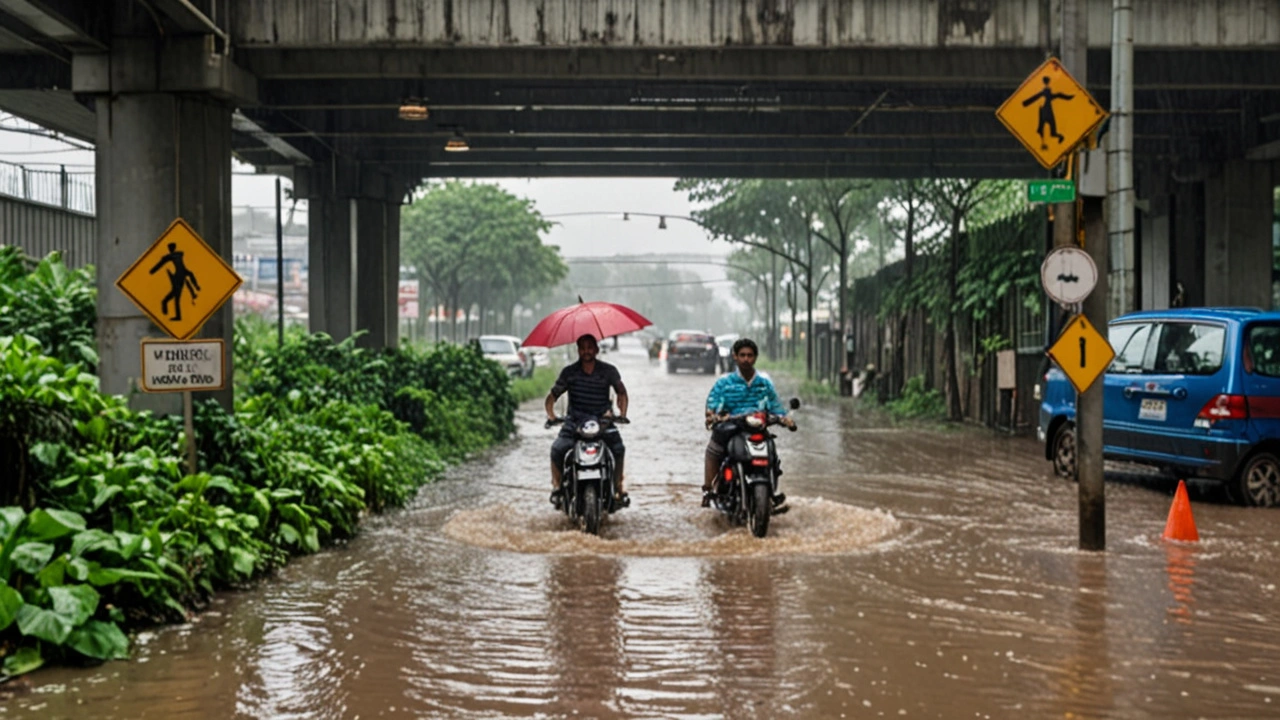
x,y
71,24
737,170
34,72
967,66
185,65
189,18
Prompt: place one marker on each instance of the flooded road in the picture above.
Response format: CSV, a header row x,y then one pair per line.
x,y
921,573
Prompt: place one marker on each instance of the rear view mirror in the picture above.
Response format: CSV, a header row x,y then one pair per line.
x,y
794,403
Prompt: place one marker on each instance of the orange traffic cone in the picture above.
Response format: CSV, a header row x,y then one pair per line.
x,y
1180,525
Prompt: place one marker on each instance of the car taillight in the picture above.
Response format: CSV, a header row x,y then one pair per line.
x,y
1225,407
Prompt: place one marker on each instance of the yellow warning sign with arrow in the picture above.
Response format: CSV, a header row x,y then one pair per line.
x,y
1050,113
179,282
1082,353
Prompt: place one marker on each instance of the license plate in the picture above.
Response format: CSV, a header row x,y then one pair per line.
x,y
588,474
1153,410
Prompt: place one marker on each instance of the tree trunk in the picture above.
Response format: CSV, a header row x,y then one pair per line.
x,y
949,342
773,308
810,292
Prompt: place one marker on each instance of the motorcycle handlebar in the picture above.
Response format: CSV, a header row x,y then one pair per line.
x,y
771,420
612,420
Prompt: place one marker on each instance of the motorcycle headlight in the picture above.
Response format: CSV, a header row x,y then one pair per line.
x,y
590,428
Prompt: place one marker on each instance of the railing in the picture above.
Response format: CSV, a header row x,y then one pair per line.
x,y
73,191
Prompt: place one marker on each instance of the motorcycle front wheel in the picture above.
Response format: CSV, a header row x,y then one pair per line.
x,y
760,510
591,509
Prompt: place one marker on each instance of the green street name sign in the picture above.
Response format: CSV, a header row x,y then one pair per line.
x,y
1051,191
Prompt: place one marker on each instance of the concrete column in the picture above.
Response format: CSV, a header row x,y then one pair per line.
x,y
329,257
1238,254
1155,257
1187,252
160,156
393,266
373,312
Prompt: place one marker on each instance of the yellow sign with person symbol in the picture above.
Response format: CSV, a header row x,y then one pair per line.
x,y
1082,353
1051,113
179,282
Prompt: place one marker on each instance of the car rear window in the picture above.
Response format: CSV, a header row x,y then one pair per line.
x,y
1189,348
690,338
494,346
1263,348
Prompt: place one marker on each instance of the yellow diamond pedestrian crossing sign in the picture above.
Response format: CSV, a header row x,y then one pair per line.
x,y
1050,113
1082,353
179,282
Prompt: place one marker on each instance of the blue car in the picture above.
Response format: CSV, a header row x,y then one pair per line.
x,y
1193,391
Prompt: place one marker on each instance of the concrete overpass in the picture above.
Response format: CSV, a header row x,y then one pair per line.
x,y
879,88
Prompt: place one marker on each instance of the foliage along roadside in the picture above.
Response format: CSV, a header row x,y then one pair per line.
x,y
107,531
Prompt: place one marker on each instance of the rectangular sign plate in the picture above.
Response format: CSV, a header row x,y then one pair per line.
x,y
1051,191
177,365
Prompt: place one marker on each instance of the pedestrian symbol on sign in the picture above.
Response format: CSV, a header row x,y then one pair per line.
x,y
180,278
194,274
1047,96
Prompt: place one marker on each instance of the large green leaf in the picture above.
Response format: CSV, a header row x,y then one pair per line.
x,y
30,557
76,602
243,561
44,624
101,640
23,661
111,576
52,524
93,539
10,517
10,602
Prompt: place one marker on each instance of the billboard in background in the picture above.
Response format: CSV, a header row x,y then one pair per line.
x,y
408,299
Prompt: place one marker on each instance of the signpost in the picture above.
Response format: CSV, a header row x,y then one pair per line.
x,y
1051,191
178,365
1068,275
1051,113
1082,353
179,282
181,272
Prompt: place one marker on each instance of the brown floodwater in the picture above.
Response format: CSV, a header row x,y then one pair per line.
x,y
920,573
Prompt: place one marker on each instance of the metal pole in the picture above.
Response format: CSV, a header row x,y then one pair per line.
x,y
1091,490
1120,220
279,271
189,429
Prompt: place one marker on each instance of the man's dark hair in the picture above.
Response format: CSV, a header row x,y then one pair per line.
x,y
747,343
588,337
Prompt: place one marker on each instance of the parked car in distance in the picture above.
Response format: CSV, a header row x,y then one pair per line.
x,y
692,349
533,355
1193,391
505,350
725,344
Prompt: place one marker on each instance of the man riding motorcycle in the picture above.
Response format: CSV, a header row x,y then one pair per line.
x,y
736,393
588,382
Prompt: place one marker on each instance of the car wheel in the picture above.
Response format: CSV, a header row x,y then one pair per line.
x,y
1064,451
1258,482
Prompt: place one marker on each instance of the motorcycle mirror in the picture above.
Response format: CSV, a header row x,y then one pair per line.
x,y
795,403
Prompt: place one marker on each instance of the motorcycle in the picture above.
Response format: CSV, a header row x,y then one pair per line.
x,y
588,476
747,481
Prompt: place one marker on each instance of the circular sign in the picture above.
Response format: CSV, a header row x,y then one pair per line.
x,y
1068,275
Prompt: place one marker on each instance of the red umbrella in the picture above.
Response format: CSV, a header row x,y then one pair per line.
x,y
601,319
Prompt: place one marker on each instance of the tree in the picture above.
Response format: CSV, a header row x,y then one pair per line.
x,y
477,244
954,199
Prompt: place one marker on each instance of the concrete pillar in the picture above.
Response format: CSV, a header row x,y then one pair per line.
x,y
1238,254
1155,258
354,251
160,156
373,312
1187,252
330,253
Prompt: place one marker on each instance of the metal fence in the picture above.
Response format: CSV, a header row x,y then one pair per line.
x,y
59,188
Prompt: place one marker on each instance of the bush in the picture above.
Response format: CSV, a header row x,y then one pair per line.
x,y
917,402
51,303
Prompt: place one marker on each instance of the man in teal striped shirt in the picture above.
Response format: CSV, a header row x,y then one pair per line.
x,y
737,393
